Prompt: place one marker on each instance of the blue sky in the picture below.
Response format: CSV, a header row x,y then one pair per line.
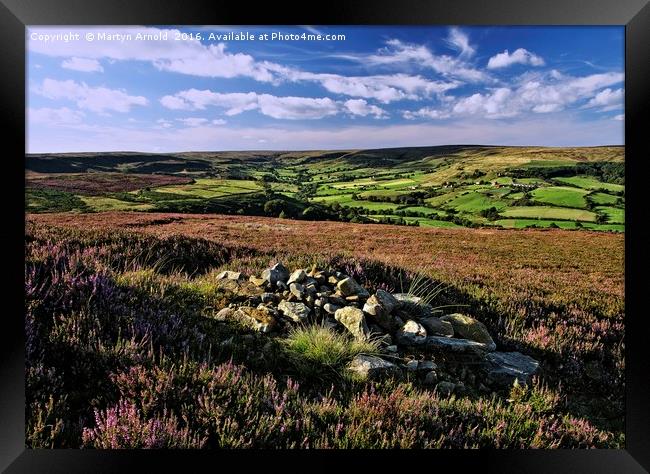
x,y
166,89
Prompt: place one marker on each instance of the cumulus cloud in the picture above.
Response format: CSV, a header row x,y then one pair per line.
x,y
619,117
607,100
361,107
82,65
96,99
290,108
519,56
540,94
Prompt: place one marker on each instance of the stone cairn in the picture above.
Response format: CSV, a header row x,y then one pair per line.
x,y
450,352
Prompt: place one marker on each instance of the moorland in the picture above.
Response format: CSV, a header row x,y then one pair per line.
x,y
155,316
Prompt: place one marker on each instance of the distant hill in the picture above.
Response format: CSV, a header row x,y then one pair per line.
x,y
220,161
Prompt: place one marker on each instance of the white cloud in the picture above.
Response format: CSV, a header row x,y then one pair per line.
x,y
48,116
425,112
607,100
194,58
294,108
96,99
193,121
361,107
189,56
619,117
291,108
82,65
400,53
458,40
534,93
163,123
219,122
519,56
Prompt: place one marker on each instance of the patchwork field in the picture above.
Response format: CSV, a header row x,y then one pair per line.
x,y
469,186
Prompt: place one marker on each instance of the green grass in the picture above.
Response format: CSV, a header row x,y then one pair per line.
x,y
587,182
101,203
603,198
318,352
475,201
50,200
614,215
561,196
547,212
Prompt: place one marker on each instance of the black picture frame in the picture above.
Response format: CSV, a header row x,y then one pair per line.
x,y
15,15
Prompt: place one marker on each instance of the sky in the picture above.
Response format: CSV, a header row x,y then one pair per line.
x,y
172,89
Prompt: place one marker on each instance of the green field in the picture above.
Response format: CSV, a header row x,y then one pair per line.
x,y
435,186
614,214
587,182
561,196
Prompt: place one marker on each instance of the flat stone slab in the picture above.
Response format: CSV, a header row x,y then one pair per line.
x,y
370,367
459,346
504,367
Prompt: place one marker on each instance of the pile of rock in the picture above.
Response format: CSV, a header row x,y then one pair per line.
x,y
441,349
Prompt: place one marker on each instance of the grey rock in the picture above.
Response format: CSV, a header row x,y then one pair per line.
x,y
445,388
431,378
296,312
386,300
392,349
260,319
437,327
331,308
411,334
297,277
504,367
330,323
257,281
349,287
378,313
277,273
427,365
460,346
228,275
412,365
283,273
297,290
354,320
470,328
268,298
373,368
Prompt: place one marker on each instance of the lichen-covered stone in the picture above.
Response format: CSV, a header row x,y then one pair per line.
x,y
354,321
470,328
